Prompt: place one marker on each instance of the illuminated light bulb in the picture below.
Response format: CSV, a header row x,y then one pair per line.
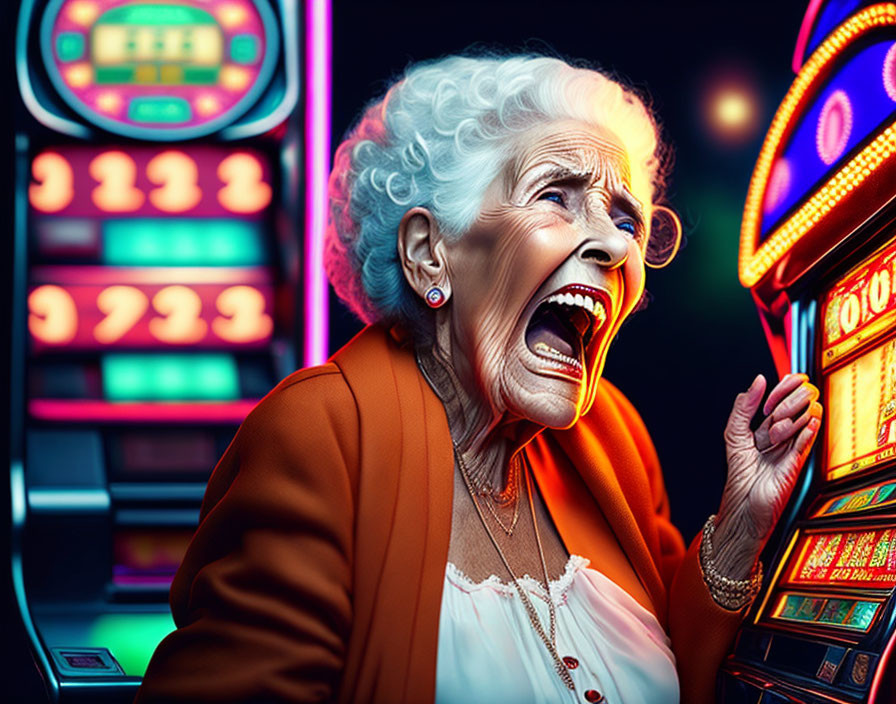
x,y
207,105
108,102
79,75
83,12
231,16
234,78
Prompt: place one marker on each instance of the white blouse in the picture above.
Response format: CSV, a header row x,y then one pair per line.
x,y
489,652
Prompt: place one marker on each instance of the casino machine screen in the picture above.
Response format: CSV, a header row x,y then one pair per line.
x,y
166,274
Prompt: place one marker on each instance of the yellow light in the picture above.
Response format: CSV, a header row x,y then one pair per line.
x,y
232,16
207,105
234,78
732,109
83,12
755,261
108,102
79,75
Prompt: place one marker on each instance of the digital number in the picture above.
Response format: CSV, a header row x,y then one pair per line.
x,y
849,313
246,191
117,174
123,306
56,183
244,317
52,315
879,291
177,176
180,307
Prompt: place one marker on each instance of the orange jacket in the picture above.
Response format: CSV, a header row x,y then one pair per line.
x,y
316,573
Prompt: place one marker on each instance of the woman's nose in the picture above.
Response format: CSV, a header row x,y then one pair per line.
x,y
607,246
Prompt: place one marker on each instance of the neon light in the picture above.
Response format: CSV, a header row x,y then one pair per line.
x,y
754,260
181,322
234,78
855,558
317,149
847,322
89,317
108,102
834,127
889,73
803,37
170,377
86,411
123,307
246,190
56,187
108,275
83,12
131,638
207,105
79,75
177,175
52,315
244,317
778,185
117,174
182,242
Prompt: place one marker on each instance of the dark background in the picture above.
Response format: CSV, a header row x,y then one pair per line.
x,y
699,342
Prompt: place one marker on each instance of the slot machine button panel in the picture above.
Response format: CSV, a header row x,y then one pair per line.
x,y
85,662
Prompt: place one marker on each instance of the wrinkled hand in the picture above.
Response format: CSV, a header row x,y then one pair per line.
x,y
763,465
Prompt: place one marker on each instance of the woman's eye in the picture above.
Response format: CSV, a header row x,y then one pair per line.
x,y
554,196
627,226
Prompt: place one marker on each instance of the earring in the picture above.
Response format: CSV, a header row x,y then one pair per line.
x,y
435,297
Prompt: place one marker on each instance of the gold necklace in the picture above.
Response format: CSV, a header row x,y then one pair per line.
x,y
550,642
513,495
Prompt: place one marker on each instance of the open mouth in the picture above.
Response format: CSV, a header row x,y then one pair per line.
x,y
564,324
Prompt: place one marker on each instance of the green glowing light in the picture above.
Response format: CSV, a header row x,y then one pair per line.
x,y
159,110
170,377
156,15
70,46
182,242
131,638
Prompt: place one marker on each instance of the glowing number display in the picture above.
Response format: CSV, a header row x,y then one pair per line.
x,y
56,187
60,182
181,323
246,190
123,306
852,558
247,320
52,315
117,174
97,316
860,306
176,174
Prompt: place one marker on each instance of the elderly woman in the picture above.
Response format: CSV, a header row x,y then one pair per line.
x,y
456,508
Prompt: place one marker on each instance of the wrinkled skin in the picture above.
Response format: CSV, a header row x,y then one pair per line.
x,y
559,214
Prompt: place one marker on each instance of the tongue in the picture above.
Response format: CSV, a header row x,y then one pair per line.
x,y
547,327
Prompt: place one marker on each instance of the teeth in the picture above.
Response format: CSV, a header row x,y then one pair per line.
x,y
596,308
548,351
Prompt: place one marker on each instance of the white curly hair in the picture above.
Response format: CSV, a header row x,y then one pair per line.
x,y
437,139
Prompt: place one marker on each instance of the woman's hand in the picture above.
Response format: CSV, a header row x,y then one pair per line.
x,y
763,466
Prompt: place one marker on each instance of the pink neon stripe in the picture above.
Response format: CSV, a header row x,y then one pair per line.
x,y
317,167
803,37
87,411
85,275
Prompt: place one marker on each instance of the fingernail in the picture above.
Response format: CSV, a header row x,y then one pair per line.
x,y
814,423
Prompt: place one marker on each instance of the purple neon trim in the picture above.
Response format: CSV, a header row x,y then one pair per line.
x,y
318,19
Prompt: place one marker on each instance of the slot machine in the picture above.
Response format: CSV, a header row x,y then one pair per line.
x,y
166,263
818,251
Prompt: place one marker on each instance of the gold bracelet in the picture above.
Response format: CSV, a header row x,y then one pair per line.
x,y
730,594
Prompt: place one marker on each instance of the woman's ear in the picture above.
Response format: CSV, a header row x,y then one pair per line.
x,y
421,250
665,237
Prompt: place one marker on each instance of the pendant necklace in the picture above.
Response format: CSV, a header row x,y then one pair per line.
x,y
549,640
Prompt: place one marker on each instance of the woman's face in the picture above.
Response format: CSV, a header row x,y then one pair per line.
x,y
547,273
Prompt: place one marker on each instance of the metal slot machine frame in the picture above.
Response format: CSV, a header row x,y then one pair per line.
x,y
818,244
94,541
